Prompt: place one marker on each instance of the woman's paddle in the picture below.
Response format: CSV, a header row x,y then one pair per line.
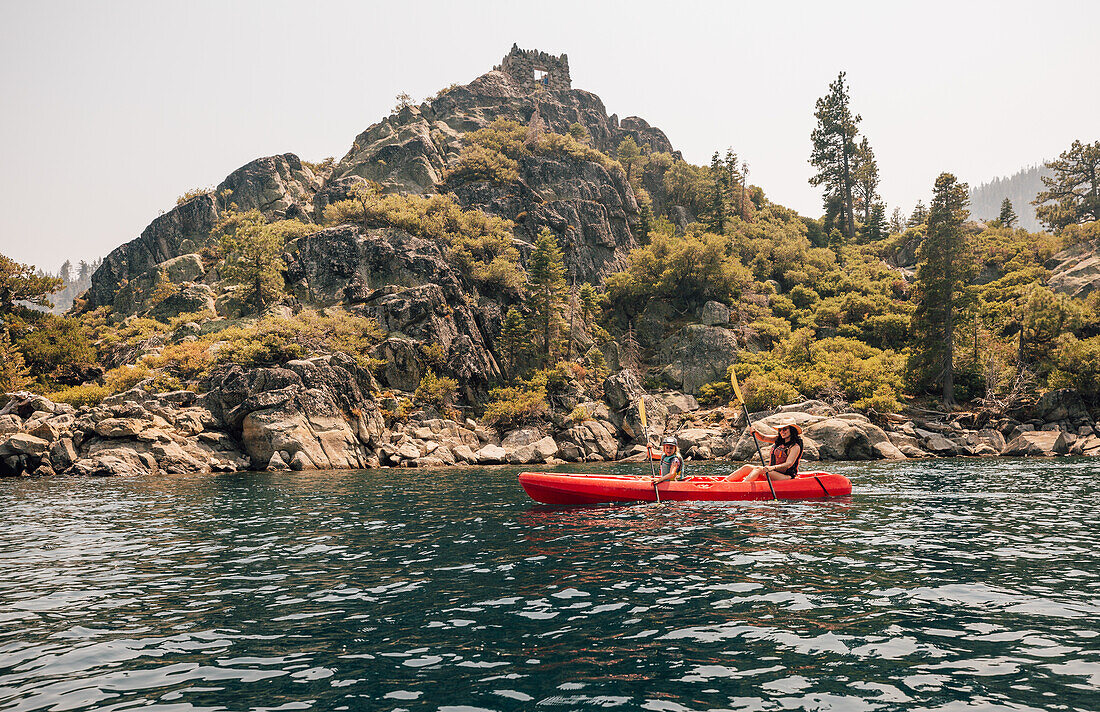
x,y
748,421
645,429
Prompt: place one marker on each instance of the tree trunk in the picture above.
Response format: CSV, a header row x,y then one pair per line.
x,y
572,300
949,357
849,209
546,326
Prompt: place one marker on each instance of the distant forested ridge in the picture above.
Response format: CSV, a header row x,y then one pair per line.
x,y
1020,188
75,281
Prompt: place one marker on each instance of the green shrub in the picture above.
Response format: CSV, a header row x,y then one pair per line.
x,y
1077,365
714,393
273,340
883,400
687,269
52,344
764,392
436,391
85,394
579,415
771,328
480,244
515,405
478,163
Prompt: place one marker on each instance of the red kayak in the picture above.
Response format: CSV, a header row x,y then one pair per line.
x,y
566,488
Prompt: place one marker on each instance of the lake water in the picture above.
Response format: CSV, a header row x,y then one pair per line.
x,y
949,585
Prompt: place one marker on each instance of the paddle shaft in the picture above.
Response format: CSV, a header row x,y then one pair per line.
x,y
648,451
748,419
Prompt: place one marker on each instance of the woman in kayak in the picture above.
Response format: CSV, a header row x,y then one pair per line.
x,y
672,465
786,453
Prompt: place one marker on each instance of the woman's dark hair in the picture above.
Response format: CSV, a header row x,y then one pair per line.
x,y
794,439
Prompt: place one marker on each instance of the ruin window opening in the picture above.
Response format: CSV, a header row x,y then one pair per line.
x,y
542,77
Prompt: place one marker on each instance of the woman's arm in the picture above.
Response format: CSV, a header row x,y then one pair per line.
x,y
762,437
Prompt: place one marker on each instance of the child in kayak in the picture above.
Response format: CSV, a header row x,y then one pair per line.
x,y
786,453
672,465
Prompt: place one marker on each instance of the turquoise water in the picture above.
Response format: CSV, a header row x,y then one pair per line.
x,y
949,585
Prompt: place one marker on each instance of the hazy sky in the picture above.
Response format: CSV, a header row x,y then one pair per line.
x,y
113,109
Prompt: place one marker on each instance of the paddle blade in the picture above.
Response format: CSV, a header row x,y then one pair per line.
x,y
736,388
641,411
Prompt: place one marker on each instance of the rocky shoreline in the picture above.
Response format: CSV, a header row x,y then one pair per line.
x,y
327,413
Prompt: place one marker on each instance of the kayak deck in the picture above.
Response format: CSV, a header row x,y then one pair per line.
x,y
568,488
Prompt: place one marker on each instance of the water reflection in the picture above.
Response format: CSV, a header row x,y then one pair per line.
x,y
928,588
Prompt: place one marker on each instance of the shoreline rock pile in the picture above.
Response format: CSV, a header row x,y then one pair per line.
x,y
320,414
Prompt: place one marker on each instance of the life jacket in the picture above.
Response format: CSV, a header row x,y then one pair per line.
x,y
779,455
666,464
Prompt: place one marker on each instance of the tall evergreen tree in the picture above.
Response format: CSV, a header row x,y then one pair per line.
x,y
717,221
876,227
1008,216
546,284
834,150
66,273
919,214
628,154
866,179
1073,192
897,221
944,270
734,182
253,258
514,339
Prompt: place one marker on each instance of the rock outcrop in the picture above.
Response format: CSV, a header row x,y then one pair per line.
x,y
698,355
313,411
591,210
1076,270
182,230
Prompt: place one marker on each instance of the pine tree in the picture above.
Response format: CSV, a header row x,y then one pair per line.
x,y
876,227
645,220
944,270
919,215
590,301
514,339
1008,216
866,179
66,272
897,221
253,258
734,195
546,285
745,202
629,350
628,154
718,173
1073,192
834,150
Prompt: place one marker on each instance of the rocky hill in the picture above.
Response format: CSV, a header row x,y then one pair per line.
x,y
592,210
404,271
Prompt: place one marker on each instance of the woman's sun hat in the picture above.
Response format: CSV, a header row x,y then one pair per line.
x,y
786,422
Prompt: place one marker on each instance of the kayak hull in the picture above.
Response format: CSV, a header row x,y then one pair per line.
x,y
567,488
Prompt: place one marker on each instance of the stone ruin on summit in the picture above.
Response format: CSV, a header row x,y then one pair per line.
x,y
531,68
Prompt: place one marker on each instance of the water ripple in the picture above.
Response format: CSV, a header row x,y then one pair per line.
x,y
953,585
